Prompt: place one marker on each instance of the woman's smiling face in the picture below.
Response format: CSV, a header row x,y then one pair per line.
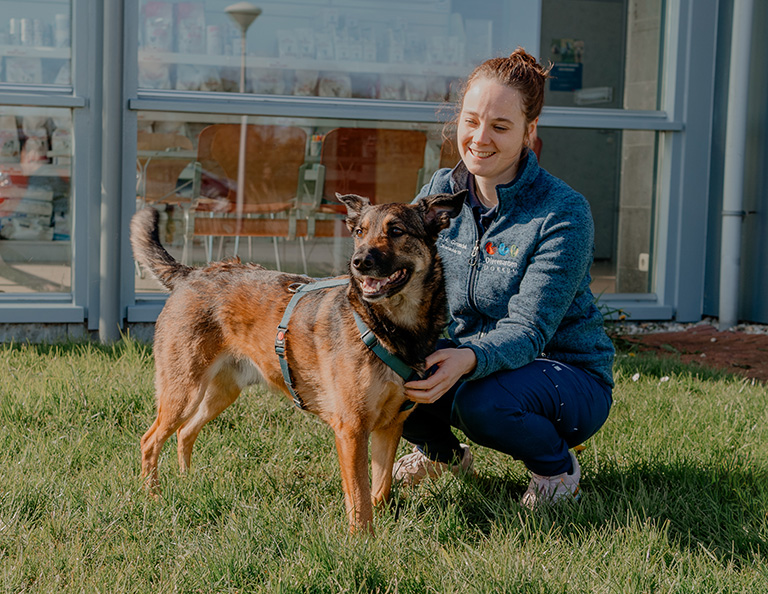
x,y
492,131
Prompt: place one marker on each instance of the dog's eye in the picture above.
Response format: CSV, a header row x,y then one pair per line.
x,y
395,231
358,232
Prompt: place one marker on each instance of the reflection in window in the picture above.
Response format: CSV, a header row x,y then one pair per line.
x,y
288,217
35,43
394,50
35,223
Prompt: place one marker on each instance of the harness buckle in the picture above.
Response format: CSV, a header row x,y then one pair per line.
x,y
369,338
280,341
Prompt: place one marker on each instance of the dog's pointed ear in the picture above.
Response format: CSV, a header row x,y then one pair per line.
x,y
439,209
355,205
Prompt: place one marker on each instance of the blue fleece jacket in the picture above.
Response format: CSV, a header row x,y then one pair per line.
x,y
521,289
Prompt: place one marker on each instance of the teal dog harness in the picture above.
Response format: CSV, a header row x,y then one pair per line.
x,y
366,335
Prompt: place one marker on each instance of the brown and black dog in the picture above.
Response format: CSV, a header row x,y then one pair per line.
x,y
216,335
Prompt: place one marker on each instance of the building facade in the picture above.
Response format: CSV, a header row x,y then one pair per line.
x,y
109,105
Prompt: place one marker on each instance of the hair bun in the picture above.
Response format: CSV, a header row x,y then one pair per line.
x,y
520,71
520,56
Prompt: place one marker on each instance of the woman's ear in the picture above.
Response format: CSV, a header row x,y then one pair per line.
x,y
531,132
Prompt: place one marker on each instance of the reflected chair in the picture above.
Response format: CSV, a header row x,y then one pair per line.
x,y
161,159
274,156
382,165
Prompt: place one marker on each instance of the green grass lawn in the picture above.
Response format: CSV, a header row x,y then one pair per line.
x,y
676,495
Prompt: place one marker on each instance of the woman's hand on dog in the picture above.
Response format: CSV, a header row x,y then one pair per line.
x,y
451,365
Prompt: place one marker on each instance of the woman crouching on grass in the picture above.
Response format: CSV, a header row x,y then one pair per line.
x,y
528,367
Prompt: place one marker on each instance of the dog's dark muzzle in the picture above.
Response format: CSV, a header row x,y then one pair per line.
x,y
375,275
368,261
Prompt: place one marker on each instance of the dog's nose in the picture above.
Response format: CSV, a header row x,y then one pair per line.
x,y
363,262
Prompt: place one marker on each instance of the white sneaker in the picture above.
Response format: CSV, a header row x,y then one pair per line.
x,y
553,489
412,468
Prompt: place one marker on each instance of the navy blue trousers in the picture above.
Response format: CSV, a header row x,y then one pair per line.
x,y
534,414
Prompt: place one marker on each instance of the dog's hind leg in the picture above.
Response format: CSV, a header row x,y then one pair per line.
x,y
221,392
352,447
172,410
383,449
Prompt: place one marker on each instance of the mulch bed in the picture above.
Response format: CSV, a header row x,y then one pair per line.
x,y
732,351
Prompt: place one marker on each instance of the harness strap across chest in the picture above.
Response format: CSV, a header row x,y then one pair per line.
x,y
366,335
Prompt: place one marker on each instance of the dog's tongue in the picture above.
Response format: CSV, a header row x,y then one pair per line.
x,y
372,285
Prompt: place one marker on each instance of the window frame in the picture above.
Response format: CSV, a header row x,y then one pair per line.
x,y
80,99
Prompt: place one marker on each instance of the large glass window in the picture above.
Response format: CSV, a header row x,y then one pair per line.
x,y
35,42
605,54
35,213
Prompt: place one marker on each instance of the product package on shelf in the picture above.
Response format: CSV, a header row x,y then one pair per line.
x,y
35,147
365,85
214,40
23,70
287,43
26,202
368,43
10,147
390,87
190,28
305,82
305,43
414,88
26,213
158,26
190,77
23,227
157,36
61,227
395,44
324,45
265,81
436,88
61,141
334,84
154,75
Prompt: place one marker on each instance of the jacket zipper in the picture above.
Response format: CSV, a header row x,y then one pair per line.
x,y
473,258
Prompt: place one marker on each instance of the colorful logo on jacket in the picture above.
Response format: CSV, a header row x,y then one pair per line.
x,y
502,249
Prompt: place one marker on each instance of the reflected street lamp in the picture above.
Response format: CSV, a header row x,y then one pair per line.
x,y
243,14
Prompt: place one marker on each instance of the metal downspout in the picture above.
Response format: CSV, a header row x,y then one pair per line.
x,y
110,319
733,178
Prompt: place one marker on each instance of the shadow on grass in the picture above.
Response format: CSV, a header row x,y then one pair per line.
x,y
722,510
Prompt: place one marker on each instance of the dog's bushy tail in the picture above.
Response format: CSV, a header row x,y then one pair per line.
x,y
149,252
